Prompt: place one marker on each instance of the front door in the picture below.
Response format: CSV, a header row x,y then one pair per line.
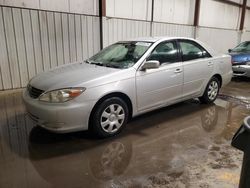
x,y
157,87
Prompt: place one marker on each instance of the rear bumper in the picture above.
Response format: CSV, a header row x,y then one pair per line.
x,y
241,70
61,118
226,78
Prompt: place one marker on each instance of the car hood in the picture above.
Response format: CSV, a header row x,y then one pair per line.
x,y
70,75
240,57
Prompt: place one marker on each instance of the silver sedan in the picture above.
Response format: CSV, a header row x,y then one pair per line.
x,y
124,80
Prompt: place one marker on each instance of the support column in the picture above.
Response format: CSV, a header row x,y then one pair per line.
x,y
152,18
196,17
243,14
242,20
102,13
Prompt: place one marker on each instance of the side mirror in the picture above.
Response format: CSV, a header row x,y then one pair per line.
x,y
229,50
151,64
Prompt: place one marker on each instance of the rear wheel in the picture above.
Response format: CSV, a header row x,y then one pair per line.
x,y
109,117
211,92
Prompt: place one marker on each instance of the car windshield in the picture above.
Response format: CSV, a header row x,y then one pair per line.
x,y
242,47
120,55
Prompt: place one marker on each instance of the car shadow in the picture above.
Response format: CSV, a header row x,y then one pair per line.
x,y
240,79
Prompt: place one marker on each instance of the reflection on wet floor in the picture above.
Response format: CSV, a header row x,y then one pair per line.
x,y
184,145
238,91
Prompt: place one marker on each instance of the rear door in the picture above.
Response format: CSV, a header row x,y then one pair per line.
x,y
197,67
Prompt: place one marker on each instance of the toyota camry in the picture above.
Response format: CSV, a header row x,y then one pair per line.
x,y
124,80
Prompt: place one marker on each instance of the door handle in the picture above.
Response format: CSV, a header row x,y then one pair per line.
x,y
178,71
210,63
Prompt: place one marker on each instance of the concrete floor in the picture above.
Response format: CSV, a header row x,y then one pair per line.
x,y
184,145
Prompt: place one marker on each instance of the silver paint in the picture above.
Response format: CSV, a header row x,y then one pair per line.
x,y
147,89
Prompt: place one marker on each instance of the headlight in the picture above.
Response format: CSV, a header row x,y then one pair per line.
x,y
61,95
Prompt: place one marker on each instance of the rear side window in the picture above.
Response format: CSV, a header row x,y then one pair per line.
x,y
165,52
191,50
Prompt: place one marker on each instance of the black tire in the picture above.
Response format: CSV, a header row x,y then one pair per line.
x,y
97,117
205,98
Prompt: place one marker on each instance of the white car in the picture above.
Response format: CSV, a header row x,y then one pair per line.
x,y
124,80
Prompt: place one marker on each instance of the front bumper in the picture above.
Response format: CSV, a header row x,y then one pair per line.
x,y
241,70
62,117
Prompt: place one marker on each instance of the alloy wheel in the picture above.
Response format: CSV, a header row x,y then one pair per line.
x,y
112,118
213,90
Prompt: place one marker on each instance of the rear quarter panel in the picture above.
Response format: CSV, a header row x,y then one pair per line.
x,y
223,67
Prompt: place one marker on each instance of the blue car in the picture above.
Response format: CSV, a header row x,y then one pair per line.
x,y
241,59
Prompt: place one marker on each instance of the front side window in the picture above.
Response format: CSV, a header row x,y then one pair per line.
x,y
120,55
165,52
191,50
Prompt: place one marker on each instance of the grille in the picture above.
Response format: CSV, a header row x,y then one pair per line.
x,y
34,92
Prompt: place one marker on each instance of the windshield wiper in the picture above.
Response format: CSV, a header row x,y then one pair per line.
x,y
102,64
112,65
93,63
96,63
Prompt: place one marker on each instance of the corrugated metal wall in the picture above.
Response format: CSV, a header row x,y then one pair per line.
x,y
33,41
245,36
90,7
220,39
247,19
218,14
130,9
120,29
165,29
174,11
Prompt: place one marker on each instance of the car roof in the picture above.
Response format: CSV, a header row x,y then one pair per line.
x,y
162,38
155,39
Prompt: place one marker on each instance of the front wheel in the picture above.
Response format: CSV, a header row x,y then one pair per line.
x,y
211,92
109,117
